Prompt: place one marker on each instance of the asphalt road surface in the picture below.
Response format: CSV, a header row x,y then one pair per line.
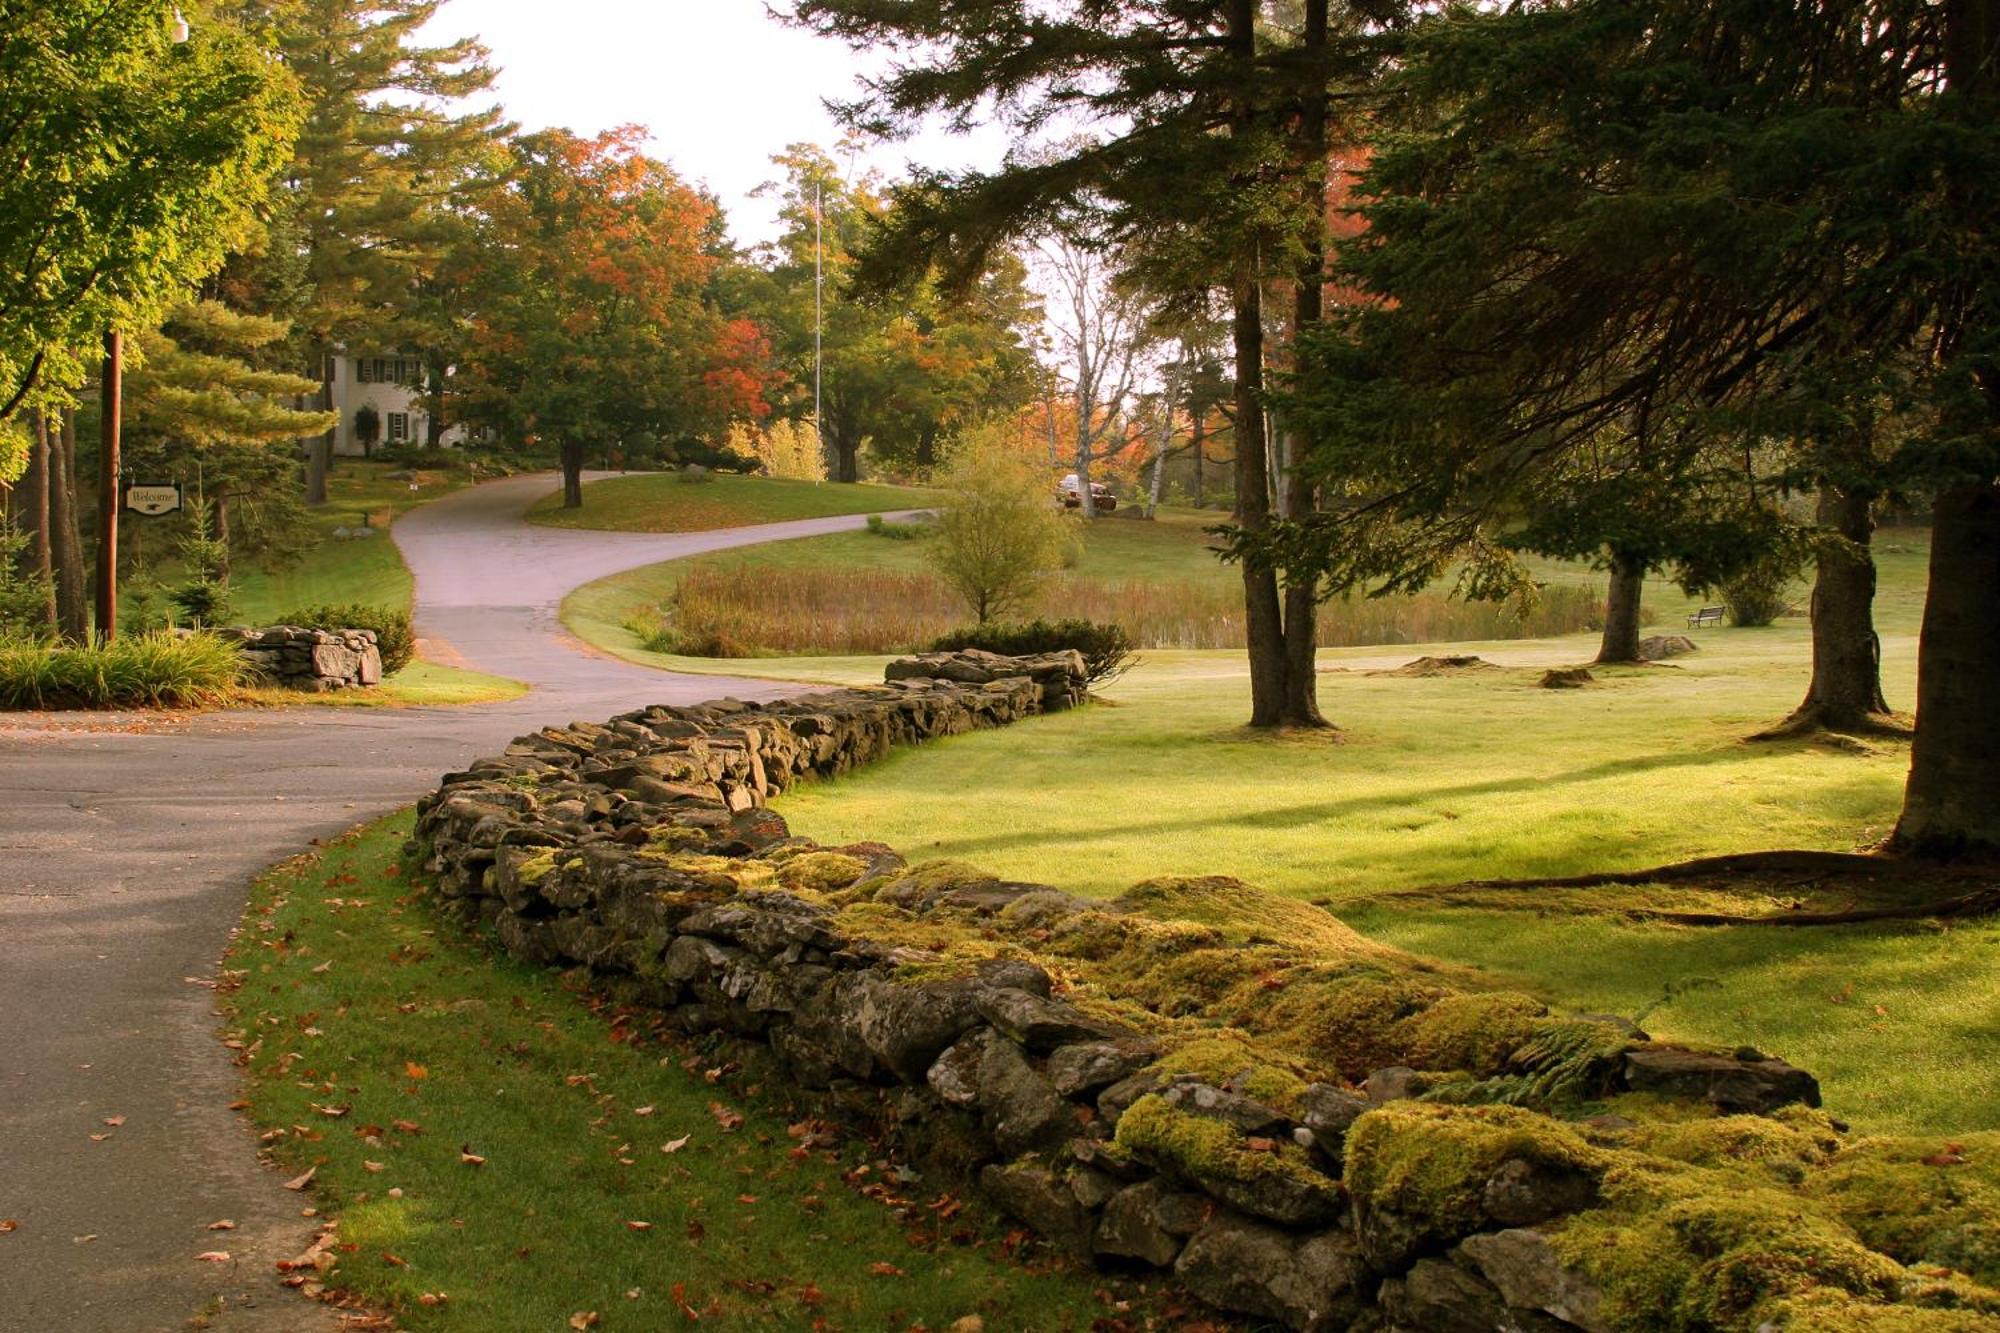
x,y
126,846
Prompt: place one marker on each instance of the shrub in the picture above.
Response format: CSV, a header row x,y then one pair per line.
x,y
897,532
704,454
27,598
163,670
1106,649
999,539
394,635
204,602
1761,593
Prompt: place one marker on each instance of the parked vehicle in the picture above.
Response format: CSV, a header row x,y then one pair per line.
x,y
1070,492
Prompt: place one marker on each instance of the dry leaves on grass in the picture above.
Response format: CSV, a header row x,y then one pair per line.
x,y
675,1145
303,1179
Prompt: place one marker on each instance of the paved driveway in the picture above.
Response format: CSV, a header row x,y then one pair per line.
x,y
125,849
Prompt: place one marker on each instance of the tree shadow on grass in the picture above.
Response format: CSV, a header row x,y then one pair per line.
x,y
1300,816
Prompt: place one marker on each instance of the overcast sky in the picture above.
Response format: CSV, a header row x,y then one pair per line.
x,y
721,85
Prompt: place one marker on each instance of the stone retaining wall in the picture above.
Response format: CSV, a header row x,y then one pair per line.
x,y
311,659
1115,1074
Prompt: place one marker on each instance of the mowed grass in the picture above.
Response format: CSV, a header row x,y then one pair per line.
x,y
1485,775
662,502
383,1044
341,570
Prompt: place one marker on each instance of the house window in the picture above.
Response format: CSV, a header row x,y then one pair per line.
x,y
381,370
361,370
399,426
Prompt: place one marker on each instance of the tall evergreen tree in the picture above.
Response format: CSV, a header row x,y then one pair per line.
x,y
375,200
1189,156
1690,229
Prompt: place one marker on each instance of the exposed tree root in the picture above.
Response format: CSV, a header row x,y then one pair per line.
x,y
1898,883
1813,721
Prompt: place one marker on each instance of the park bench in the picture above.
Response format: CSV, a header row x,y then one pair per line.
x,y
1708,615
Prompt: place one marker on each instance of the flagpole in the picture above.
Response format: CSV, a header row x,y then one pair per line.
x,y
819,309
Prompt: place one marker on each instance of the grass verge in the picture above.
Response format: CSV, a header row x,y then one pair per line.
x,y
662,502
385,1048
361,495
1485,775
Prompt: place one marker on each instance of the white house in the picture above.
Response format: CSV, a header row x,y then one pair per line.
x,y
393,385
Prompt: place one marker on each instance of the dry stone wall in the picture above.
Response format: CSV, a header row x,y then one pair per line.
x,y
320,660
1191,1078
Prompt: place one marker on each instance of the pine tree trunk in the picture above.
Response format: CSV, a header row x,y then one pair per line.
x,y
572,470
319,449
72,601
1846,689
1263,616
1951,805
1301,498
220,509
1621,609
33,515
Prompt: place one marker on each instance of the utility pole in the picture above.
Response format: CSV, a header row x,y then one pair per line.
x,y
110,408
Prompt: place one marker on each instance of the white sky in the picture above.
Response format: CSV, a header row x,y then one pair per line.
x,y
720,83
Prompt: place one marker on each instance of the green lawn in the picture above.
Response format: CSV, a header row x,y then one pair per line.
x,y
384,1044
360,495
347,570
1479,776
662,502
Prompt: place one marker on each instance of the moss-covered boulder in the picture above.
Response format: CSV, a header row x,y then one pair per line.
x,y
1265,1178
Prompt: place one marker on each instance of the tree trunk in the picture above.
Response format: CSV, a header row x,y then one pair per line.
x,y
1200,450
220,509
434,422
572,470
1160,461
1263,617
1846,689
1951,806
1621,609
927,446
33,513
72,601
319,449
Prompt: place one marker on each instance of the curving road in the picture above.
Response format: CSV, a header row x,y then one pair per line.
x,y
126,845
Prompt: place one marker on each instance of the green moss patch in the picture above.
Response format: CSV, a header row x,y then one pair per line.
x,y
1200,1149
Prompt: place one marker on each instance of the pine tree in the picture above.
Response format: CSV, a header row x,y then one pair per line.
x,y
1727,224
1193,166
375,204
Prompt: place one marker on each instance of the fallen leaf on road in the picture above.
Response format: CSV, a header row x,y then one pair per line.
x,y
213,1257
114,1120
99,1138
224,1225
301,1181
84,1240
8,1224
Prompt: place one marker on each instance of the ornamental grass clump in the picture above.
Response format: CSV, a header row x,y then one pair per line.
x,y
161,670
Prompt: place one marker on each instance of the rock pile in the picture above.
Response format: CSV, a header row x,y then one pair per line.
x,y
1148,1109
311,659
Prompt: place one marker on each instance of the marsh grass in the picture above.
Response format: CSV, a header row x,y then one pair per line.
x,y
137,671
381,1042
744,610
